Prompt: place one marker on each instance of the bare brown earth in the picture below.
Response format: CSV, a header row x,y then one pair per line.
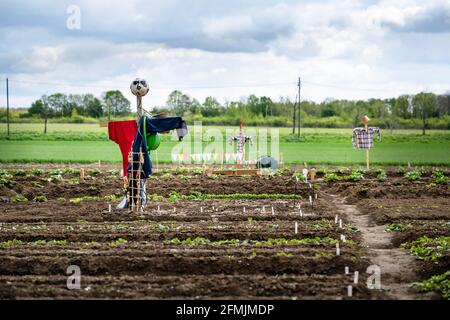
x,y
131,255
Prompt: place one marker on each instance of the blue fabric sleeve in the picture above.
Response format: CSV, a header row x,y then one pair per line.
x,y
140,143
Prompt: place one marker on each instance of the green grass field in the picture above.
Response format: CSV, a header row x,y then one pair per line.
x,y
95,128
322,146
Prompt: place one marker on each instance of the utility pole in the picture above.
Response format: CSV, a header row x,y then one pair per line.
x,y
7,105
299,86
294,116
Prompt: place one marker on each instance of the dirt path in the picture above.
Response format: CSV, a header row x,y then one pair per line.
x,y
397,267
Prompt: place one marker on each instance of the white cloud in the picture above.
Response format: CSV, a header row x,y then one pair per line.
x,y
343,49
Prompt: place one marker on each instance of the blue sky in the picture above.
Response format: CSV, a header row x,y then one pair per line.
x,y
227,49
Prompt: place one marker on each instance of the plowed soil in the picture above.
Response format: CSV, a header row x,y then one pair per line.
x,y
228,253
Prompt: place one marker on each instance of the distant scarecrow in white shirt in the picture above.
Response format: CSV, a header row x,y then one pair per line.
x,y
362,137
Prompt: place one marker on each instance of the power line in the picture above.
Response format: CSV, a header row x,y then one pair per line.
x,y
255,85
65,84
341,87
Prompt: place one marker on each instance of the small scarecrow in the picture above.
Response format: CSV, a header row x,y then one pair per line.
x,y
362,137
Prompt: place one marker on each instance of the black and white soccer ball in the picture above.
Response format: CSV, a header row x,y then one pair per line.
x,y
139,87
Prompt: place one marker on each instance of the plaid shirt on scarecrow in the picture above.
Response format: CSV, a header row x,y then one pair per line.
x,y
362,139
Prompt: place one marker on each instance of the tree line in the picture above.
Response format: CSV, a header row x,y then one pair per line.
x,y
423,110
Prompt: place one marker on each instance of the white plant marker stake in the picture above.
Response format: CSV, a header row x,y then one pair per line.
x,y
349,291
342,238
109,207
296,227
347,271
263,208
338,250
336,219
355,277
159,209
244,209
310,199
310,186
305,174
201,209
174,209
273,211
315,196
340,223
301,213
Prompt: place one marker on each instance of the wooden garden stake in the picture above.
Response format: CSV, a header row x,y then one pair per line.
x,y
109,208
312,174
82,174
336,219
338,250
296,227
340,223
365,120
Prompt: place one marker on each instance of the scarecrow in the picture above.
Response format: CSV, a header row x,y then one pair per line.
x,y
136,139
362,137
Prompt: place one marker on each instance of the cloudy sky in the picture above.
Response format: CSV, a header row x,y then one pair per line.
x,y
224,48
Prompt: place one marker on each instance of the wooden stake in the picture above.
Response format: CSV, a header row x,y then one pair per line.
x,y
312,174
82,174
367,160
296,227
365,120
